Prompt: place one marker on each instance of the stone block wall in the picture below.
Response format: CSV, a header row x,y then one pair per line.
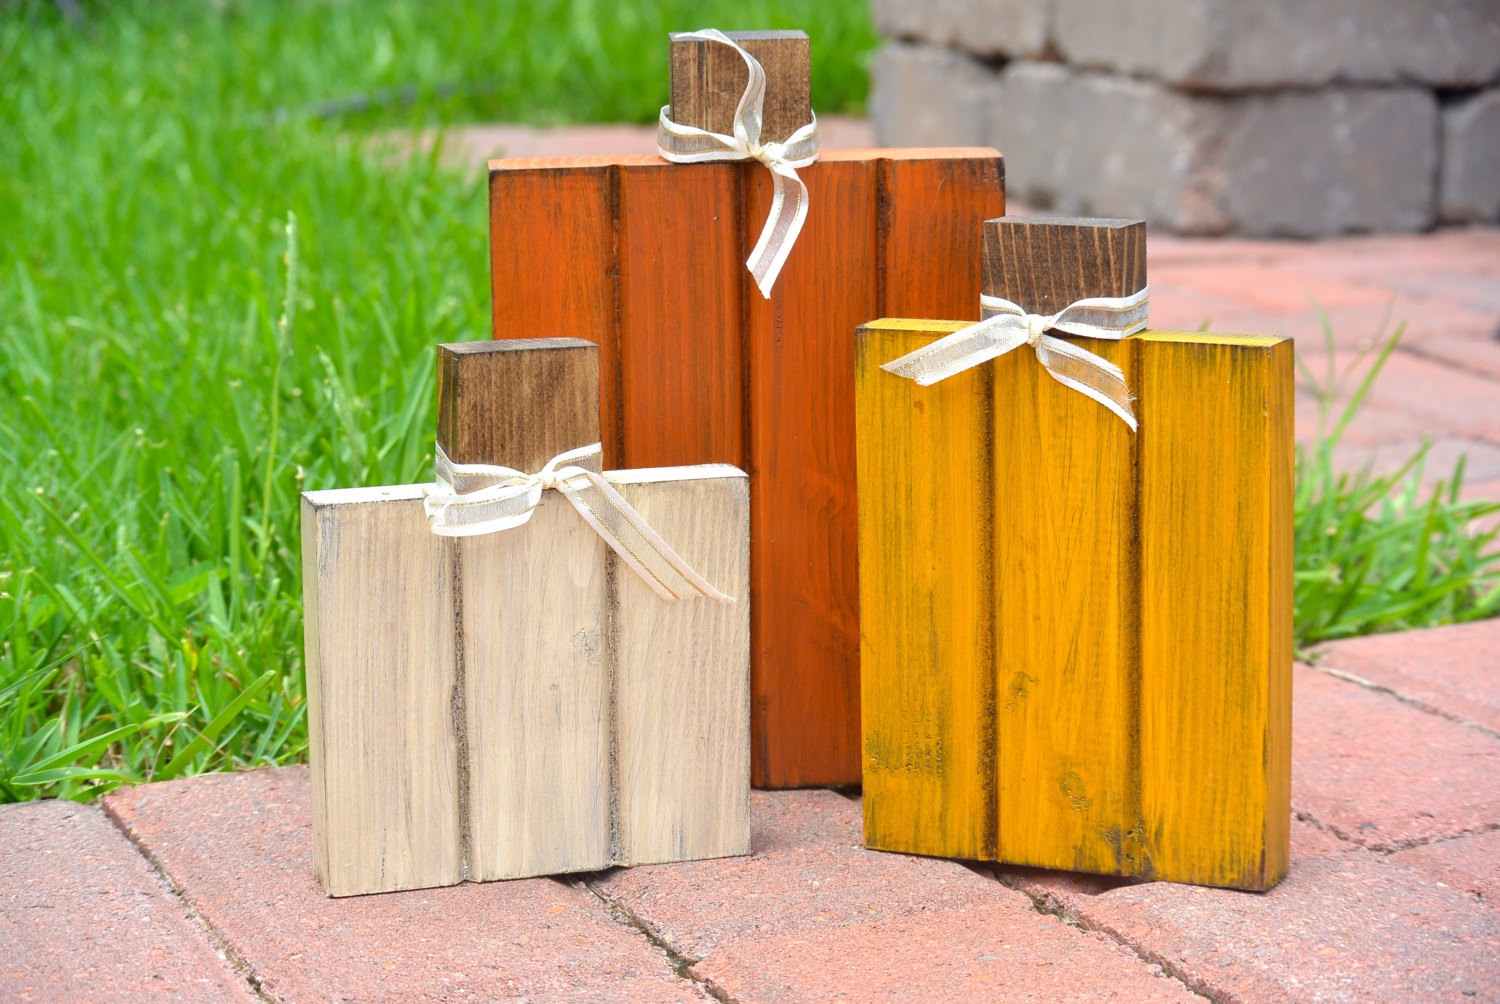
x,y
1263,117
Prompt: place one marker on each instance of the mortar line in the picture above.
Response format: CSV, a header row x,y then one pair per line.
x,y
1416,349
1056,908
681,964
1412,702
236,961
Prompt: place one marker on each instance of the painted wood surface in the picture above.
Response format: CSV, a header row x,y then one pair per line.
x,y
1215,462
926,509
1066,603
1141,587
381,672
697,367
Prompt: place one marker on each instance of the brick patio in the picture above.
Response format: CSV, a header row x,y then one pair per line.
x,y
202,890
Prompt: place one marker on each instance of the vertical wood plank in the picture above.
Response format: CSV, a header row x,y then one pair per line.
x,y
536,696
674,394
682,280
926,544
384,758
932,207
682,675
553,271
531,604
517,402
1067,617
1215,470
707,80
804,548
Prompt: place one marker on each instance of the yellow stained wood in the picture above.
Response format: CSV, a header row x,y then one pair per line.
x,y
1215,463
1141,589
1065,620
927,681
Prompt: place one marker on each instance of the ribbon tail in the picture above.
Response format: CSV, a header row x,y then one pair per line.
x,y
633,539
1091,375
783,224
962,350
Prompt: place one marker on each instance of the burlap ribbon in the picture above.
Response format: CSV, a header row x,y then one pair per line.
x,y
471,499
688,145
1006,327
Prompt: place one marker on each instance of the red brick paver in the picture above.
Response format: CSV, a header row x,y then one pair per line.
x,y
1346,927
84,917
1468,863
812,915
1452,670
240,846
1384,774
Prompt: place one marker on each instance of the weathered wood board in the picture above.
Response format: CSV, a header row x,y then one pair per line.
x,y
1077,641
520,703
647,259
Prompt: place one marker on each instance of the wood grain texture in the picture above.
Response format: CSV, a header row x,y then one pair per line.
x,y
1065,620
804,549
683,328
1044,263
927,629
385,773
553,269
708,79
1142,589
1215,466
517,402
929,244
1067,613
1143,595
536,696
682,363
682,677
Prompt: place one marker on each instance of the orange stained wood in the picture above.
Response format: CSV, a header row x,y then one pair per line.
x,y
647,259
1142,596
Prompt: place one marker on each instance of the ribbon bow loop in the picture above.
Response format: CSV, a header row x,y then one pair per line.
x,y
472,499
683,144
1006,327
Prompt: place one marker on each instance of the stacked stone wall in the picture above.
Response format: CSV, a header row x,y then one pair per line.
x,y
1264,117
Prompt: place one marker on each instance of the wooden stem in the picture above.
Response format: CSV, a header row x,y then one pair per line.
x,y
517,403
1044,263
708,80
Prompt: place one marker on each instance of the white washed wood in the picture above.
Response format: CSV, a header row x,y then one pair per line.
x,y
537,694
600,724
380,676
682,675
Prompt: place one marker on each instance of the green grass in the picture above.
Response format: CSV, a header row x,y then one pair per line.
x,y
1374,552
165,392
210,298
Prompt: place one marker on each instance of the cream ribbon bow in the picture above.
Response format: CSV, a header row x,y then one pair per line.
x,y
472,499
688,145
1006,327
